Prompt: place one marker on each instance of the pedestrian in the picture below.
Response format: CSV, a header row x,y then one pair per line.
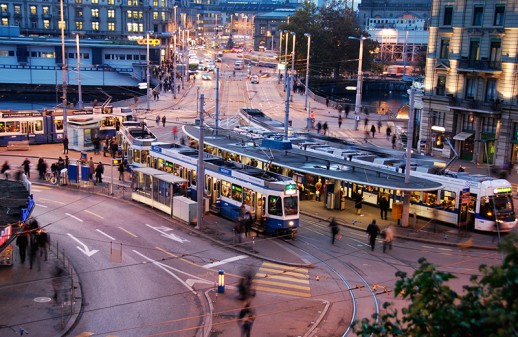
x,y
358,200
157,120
91,164
65,145
175,132
42,168
239,230
248,221
319,127
325,128
366,136
327,101
27,167
43,243
22,241
33,249
97,145
388,132
373,130
99,170
334,230
67,161
365,123
373,230
347,109
384,205
356,122
6,169
121,171
318,189
246,319
340,121
388,236
163,121
394,141
379,126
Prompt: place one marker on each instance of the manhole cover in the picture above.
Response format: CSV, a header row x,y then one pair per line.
x,y
42,299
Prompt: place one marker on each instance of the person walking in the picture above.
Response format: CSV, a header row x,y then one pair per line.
x,y
65,145
384,205
318,189
163,121
388,236
327,101
121,171
334,230
99,170
373,230
91,164
373,130
33,250
340,121
157,120
42,168
319,127
358,200
246,320
347,110
388,132
394,141
22,241
356,121
175,132
365,123
27,167
325,128
379,126
43,243
239,230
6,169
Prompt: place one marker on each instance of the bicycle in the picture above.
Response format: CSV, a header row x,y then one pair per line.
x,y
51,178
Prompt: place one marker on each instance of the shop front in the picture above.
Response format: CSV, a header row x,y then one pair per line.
x,y
467,145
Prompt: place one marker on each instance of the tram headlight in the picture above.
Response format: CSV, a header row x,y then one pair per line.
x,y
291,223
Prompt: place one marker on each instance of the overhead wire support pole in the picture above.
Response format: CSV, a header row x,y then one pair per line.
x,y
217,100
147,70
63,68
200,175
409,142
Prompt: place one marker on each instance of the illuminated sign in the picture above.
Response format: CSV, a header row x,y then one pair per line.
x,y
116,161
501,190
152,42
290,189
5,234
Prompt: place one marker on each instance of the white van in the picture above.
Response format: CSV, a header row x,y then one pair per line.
x,y
238,65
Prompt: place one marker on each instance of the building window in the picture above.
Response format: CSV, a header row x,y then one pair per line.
x,y
111,26
79,12
448,16
438,118
95,2
79,1
155,3
489,125
478,15
33,10
445,49
17,9
471,88
3,8
111,13
491,95
46,10
95,12
495,53
132,2
262,30
468,123
95,25
46,24
474,50
440,89
111,2
155,15
499,16
5,22
163,19
79,25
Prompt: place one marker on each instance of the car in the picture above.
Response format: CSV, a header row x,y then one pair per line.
x,y
206,77
254,79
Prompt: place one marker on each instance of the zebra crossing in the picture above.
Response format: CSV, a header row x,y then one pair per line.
x,y
280,279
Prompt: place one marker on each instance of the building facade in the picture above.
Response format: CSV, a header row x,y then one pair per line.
x,y
471,81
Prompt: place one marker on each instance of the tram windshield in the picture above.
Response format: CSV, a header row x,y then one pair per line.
x,y
291,205
502,205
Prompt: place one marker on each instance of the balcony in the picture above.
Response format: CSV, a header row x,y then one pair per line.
x,y
471,104
479,65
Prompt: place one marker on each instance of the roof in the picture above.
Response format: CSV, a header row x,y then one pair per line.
x,y
160,175
308,162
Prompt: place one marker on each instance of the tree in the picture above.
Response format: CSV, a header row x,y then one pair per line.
x,y
488,306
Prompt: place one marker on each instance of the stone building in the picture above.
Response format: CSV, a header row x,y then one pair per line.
x,y
471,81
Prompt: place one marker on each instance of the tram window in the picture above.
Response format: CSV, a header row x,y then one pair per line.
x,y
502,204
136,156
193,178
12,126
143,156
247,193
487,209
472,203
448,200
291,205
237,193
59,125
415,197
2,127
430,198
38,126
225,188
274,205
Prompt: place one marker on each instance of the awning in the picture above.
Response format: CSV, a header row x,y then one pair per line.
x,y
463,136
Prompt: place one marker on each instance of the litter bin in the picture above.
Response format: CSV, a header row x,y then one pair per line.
x,y
397,211
63,179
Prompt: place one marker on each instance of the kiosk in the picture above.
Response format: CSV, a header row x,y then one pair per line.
x,y
81,131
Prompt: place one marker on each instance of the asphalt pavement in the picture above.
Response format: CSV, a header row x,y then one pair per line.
x,y
28,301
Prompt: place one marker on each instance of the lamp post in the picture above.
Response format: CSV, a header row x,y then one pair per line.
x,y
79,90
63,67
293,63
280,55
307,74
358,104
147,70
286,59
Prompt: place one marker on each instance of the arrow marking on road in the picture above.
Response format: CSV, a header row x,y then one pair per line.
x,y
85,250
75,217
230,259
162,230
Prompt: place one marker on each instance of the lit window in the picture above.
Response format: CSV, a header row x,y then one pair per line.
x,y
155,15
111,2
79,12
46,24
5,22
79,1
3,8
111,26
46,10
111,13
79,25
33,10
95,13
95,2
95,25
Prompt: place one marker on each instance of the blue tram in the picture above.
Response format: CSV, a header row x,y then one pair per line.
x,y
271,199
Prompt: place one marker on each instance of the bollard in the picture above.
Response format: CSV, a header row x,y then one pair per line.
x,y
221,281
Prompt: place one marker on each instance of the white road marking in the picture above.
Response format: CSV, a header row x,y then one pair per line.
x,y
57,202
39,205
75,217
103,233
85,250
162,230
97,215
230,259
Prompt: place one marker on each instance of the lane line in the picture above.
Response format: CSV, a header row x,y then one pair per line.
x,y
283,272
97,215
283,292
103,233
282,285
75,217
219,263
127,231
38,205
278,277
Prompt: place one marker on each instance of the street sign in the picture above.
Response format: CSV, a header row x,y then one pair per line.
x,y
152,42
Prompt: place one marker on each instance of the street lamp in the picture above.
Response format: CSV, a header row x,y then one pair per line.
x,y
147,70
63,67
293,62
307,72
79,91
286,59
358,104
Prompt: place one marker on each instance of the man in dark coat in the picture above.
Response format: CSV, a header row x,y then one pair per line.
x,y
373,230
99,170
22,241
65,145
384,206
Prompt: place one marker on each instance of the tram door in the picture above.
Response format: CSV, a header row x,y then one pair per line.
x,y
211,185
27,127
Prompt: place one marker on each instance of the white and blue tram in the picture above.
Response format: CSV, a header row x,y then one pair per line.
x,y
135,139
271,199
